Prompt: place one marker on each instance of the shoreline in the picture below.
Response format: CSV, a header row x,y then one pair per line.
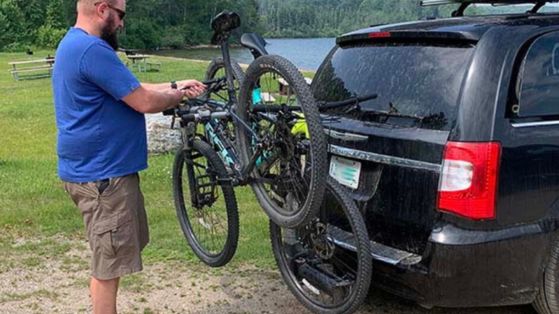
x,y
243,65
294,49
236,45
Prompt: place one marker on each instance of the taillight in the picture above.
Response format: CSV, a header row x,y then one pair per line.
x,y
379,35
468,183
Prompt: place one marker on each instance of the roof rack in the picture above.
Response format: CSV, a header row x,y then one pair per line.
x,y
464,4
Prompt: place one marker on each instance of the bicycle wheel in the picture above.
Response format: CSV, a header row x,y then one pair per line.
x,y
289,148
206,204
216,69
327,263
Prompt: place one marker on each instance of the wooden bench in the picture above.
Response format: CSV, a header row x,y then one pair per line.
x,y
43,67
284,86
153,65
137,61
140,62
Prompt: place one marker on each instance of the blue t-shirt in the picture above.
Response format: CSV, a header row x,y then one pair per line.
x,y
99,136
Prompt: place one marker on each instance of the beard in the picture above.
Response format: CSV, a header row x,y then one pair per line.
x,y
109,34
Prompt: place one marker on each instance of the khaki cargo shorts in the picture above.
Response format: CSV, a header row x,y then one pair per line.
x,y
116,224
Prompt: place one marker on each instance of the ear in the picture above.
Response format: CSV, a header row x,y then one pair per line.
x,y
102,10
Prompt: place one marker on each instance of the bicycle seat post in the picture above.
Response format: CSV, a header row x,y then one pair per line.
x,y
228,69
223,24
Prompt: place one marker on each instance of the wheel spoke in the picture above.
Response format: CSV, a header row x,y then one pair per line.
x,y
333,279
205,205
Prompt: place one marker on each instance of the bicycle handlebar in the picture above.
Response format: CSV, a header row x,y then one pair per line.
x,y
208,82
323,106
204,115
274,108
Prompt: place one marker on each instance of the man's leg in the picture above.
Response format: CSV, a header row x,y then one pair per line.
x,y
103,295
116,226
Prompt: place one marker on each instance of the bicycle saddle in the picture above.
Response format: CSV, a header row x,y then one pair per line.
x,y
223,23
255,43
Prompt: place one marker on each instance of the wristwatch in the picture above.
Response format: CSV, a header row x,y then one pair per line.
x,y
174,85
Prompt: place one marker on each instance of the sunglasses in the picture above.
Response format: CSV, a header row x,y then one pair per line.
x,y
121,14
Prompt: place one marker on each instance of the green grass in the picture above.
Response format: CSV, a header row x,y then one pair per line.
x,y
33,203
43,293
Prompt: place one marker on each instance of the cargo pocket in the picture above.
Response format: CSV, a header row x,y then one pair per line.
x,y
113,235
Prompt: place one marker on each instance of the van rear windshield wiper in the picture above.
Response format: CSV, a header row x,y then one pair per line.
x,y
432,120
389,114
355,101
392,112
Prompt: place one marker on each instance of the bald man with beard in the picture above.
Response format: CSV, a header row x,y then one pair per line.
x,y
101,141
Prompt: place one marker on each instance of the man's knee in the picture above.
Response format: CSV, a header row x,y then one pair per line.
x,y
105,284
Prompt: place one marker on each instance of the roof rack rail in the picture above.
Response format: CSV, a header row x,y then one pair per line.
x,y
536,7
464,4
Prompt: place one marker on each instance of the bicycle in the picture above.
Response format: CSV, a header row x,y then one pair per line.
x,y
273,151
257,47
326,263
216,69
280,149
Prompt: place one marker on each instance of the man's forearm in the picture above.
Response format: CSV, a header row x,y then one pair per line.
x,y
152,98
147,100
157,87
194,86
162,100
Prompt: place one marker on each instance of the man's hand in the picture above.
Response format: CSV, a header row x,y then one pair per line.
x,y
177,96
191,88
152,98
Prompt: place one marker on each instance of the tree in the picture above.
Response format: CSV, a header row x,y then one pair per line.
x,y
55,15
12,29
177,23
50,33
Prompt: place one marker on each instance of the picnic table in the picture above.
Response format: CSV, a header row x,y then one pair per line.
x,y
141,62
42,66
284,86
128,51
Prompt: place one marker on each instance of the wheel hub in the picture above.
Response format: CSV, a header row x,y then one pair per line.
x,y
320,242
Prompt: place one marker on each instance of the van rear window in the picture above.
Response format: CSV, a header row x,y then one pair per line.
x,y
417,84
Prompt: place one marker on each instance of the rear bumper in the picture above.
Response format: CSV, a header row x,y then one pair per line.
x,y
464,268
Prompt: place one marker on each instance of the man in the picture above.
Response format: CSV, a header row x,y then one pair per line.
x,y
102,143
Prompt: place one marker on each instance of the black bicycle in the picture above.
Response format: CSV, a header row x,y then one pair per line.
x,y
216,69
278,147
326,263
271,138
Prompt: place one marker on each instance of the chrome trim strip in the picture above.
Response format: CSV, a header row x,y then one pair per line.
x,y
380,252
529,124
393,256
384,159
350,137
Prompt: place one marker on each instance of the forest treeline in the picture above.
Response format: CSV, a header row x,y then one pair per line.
x,y
149,24
152,24
318,18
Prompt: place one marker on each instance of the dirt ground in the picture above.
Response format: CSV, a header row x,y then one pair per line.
x,y
47,282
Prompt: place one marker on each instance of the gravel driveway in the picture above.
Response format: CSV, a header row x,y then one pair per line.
x,y
48,282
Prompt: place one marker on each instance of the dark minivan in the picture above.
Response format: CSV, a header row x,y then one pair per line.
x,y
455,163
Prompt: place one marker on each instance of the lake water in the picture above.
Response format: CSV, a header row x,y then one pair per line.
x,y
305,53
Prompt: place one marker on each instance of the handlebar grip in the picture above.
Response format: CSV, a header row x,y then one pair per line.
x,y
189,117
220,115
169,112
